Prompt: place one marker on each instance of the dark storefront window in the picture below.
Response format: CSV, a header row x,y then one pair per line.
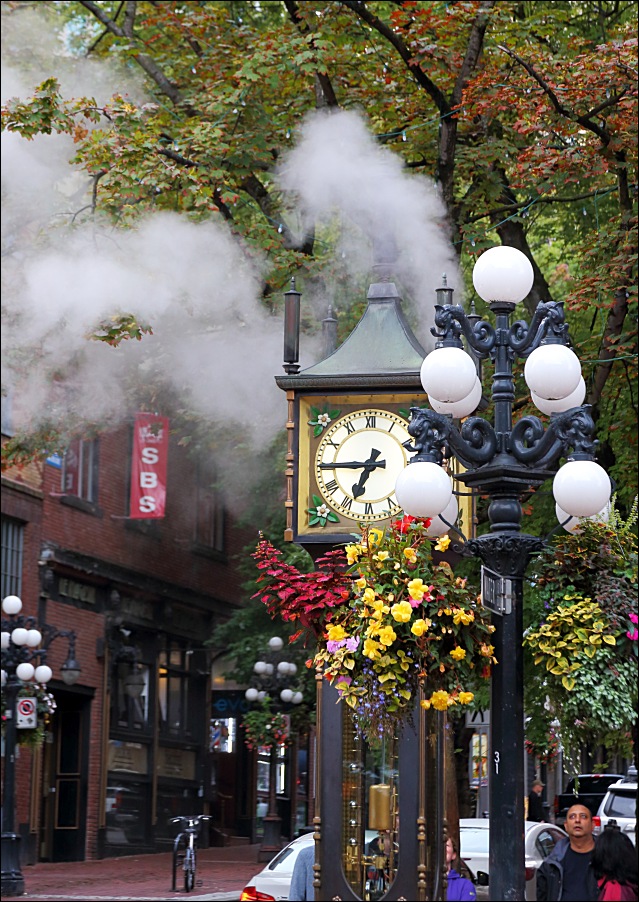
x,y
174,679
130,698
127,807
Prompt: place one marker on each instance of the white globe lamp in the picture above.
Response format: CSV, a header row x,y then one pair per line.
x,y
286,695
19,636
11,605
251,694
275,643
581,488
260,667
448,374
459,409
423,489
43,673
437,527
575,399
572,524
34,638
25,671
552,372
503,274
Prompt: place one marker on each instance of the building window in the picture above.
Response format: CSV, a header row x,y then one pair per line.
x,y
131,694
209,522
80,471
174,686
12,556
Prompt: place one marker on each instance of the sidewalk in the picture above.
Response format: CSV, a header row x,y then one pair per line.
x,y
222,874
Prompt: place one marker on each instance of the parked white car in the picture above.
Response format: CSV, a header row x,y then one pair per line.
x,y
619,804
273,881
540,840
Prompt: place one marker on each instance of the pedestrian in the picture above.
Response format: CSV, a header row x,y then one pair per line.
x,y
535,803
567,874
302,880
459,889
614,863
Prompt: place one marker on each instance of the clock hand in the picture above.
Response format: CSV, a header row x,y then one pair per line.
x,y
370,465
354,464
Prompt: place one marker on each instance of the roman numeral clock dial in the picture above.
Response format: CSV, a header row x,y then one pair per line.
x,y
358,461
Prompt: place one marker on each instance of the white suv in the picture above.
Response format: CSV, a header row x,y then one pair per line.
x,y
620,805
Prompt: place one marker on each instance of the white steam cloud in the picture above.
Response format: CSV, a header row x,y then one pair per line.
x,y
337,164
195,284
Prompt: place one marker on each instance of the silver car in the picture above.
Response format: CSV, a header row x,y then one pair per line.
x,y
540,840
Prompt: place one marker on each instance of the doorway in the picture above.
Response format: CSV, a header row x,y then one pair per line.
x,y
65,779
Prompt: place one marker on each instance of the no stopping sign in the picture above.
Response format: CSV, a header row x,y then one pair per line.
x,y
26,711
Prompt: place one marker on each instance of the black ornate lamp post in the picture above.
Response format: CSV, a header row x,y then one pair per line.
x,y
272,685
503,461
20,641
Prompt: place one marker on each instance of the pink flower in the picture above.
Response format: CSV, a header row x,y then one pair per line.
x,y
634,635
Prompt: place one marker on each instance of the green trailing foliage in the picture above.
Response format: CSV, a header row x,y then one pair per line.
x,y
581,642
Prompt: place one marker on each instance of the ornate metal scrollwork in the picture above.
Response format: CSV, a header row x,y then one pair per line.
x,y
451,321
507,553
435,435
572,429
548,320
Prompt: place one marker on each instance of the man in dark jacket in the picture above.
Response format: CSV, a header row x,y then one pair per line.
x,y
567,875
535,802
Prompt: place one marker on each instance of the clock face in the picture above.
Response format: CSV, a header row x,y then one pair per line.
x,y
357,462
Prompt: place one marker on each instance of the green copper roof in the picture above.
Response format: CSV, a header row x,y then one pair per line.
x,y
381,344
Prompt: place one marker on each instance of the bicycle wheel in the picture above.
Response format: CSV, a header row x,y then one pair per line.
x,y
189,869
180,848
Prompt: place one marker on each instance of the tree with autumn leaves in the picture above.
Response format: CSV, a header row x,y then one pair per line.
x,y
524,113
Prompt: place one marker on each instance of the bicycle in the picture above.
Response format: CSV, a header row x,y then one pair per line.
x,y
185,846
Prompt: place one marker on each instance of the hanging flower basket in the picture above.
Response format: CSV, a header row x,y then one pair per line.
x,y
388,623
263,729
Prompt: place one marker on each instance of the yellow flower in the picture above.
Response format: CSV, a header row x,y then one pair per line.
x,y
421,626
371,648
487,650
458,653
425,703
353,553
410,555
401,612
369,596
360,583
374,536
379,609
440,700
387,635
336,633
442,543
390,596
465,698
416,589
461,616
382,555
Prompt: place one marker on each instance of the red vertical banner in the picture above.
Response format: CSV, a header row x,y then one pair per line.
x,y
148,466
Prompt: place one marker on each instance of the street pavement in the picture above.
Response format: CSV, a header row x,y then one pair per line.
x,y
222,874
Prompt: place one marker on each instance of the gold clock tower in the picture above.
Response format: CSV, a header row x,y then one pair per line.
x,y
348,422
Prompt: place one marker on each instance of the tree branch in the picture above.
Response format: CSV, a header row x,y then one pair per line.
x,y
142,59
602,133
360,9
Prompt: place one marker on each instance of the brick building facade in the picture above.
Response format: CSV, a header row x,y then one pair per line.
x,y
129,744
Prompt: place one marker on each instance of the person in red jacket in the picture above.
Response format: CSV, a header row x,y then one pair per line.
x,y
614,863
